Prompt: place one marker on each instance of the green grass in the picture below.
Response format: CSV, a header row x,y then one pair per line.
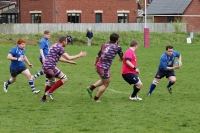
x,y
74,112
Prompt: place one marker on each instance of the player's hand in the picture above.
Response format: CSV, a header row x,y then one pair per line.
x,y
83,53
137,71
120,59
177,67
30,65
180,63
72,62
20,59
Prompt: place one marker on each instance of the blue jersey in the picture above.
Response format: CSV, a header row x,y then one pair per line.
x,y
44,45
168,61
17,52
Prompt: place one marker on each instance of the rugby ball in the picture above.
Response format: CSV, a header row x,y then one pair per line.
x,y
178,63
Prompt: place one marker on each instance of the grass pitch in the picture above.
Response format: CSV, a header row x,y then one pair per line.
x,y
74,112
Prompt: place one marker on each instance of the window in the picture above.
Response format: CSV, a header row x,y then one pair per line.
x,y
9,18
122,17
3,19
35,17
170,19
74,18
98,17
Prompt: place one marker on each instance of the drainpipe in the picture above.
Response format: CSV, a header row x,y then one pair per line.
x,y
55,11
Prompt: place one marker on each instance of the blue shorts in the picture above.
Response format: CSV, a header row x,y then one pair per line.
x,y
131,78
160,74
15,72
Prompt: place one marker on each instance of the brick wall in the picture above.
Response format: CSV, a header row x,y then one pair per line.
x,y
87,7
193,22
36,5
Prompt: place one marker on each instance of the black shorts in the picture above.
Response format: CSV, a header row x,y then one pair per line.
x,y
131,78
160,74
15,72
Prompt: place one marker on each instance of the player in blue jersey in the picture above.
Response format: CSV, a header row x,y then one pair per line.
x,y
17,66
57,53
166,68
44,48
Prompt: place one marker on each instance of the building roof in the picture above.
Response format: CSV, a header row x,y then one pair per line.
x,y
6,4
13,10
167,7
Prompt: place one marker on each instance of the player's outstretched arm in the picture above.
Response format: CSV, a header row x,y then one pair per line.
x,y
81,54
67,61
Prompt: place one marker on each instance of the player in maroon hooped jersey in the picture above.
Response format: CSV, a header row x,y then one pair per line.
x,y
57,53
103,62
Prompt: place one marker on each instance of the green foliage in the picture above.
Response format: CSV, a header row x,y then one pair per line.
x,y
101,38
74,112
178,24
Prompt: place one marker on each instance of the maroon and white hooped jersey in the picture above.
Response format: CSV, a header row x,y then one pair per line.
x,y
53,56
107,54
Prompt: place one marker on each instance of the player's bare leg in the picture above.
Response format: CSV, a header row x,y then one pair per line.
x,y
92,87
172,80
102,88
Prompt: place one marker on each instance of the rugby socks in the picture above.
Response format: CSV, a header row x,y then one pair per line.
x,y
38,74
46,89
135,91
56,86
96,98
92,87
31,85
152,87
8,82
169,84
47,81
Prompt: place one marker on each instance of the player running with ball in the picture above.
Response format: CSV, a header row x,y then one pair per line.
x,y
166,68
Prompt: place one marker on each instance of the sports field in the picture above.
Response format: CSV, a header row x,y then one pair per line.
x,y
74,112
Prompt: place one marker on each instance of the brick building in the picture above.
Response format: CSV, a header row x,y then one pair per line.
x,y
78,11
100,11
186,11
9,11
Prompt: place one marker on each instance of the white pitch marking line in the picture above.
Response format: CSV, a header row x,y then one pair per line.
x,y
117,91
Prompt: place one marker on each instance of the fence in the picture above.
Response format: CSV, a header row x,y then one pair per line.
x,y
82,27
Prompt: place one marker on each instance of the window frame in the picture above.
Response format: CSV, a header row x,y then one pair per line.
x,y
9,18
124,17
77,17
100,14
33,20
